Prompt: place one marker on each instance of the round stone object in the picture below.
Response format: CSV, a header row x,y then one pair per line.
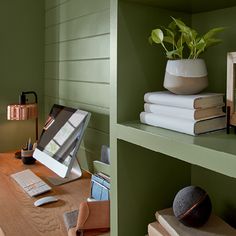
x,y
192,206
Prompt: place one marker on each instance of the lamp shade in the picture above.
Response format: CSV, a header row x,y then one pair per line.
x,y
22,111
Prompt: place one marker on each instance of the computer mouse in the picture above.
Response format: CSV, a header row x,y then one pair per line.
x,y
45,200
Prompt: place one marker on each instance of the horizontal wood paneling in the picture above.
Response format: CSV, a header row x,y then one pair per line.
x,y
73,9
95,94
86,158
89,48
94,139
53,3
51,88
90,149
99,116
77,37
89,70
89,25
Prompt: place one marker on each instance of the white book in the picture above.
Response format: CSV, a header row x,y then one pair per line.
x,y
215,226
193,114
196,101
156,229
192,127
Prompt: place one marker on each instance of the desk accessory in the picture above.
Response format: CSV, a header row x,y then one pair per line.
x,y
45,200
30,183
59,142
70,219
92,218
27,156
24,111
100,187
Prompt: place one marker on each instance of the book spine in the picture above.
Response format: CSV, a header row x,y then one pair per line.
x,y
170,111
184,101
184,113
166,225
169,100
177,124
156,229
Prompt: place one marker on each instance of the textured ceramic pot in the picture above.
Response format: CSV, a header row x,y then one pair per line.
x,y
186,76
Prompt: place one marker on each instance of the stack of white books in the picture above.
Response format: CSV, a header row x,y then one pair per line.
x,y
190,114
168,225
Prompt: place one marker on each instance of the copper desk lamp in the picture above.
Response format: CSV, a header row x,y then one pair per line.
x,y
24,111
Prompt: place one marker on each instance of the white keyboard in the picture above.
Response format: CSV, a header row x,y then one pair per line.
x,y
30,183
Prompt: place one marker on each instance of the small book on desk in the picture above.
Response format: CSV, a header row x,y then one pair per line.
x,y
192,127
215,226
197,101
100,187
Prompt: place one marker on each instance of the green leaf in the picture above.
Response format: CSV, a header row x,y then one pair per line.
x,y
150,40
201,44
170,32
179,35
187,38
157,36
180,42
212,32
168,39
193,34
172,25
177,52
183,28
212,42
199,52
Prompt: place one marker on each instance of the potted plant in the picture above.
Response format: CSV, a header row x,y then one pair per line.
x,y
185,72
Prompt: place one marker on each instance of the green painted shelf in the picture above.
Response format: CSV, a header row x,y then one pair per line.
x,y
190,6
153,163
214,151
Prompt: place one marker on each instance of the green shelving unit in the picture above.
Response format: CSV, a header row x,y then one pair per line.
x,y
214,151
149,164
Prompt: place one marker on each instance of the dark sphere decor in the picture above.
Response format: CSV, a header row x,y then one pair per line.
x,y
192,206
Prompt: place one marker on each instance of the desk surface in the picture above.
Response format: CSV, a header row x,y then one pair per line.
x,y
18,215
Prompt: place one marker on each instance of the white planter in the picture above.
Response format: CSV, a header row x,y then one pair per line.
x,y
186,76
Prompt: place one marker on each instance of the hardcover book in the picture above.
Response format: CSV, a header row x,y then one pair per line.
x,y
192,127
197,101
215,226
156,229
193,114
100,187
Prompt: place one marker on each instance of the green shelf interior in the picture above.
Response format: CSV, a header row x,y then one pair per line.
x,y
214,151
190,6
150,164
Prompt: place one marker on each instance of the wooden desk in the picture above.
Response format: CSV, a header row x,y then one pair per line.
x,y
18,215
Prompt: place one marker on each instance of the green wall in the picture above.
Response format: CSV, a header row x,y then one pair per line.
x,y
216,57
77,35
220,188
21,60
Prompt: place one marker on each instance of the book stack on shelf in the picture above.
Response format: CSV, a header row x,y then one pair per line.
x,y
190,114
168,225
